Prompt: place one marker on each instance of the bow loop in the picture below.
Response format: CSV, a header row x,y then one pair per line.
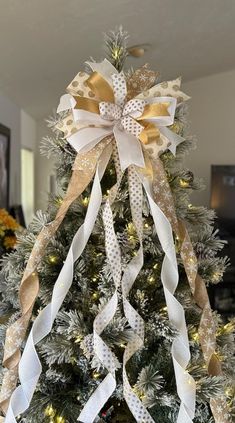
x,y
134,108
119,88
110,111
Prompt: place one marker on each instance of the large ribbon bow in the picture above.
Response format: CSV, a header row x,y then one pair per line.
x,y
137,124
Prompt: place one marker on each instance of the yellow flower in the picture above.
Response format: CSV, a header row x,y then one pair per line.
x,y
7,221
9,242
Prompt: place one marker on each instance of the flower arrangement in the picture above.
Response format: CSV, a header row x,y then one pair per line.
x,y
8,226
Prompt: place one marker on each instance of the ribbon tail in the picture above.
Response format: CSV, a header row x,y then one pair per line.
x,y
98,399
29,375
67,101
87,138
105,68
174,138
129,149
105,355
186,386
135,321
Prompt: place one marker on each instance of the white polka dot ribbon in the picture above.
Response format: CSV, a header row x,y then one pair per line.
x,y
101,395
134,319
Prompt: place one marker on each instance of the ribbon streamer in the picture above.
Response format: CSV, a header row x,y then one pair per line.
x,y
134,319
42,325
186,386
83,172
105,355
207,329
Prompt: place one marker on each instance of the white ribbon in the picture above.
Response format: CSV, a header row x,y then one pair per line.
x,y
105,355
186,386
30,367
134,319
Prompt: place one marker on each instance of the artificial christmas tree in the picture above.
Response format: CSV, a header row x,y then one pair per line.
x,y
122,323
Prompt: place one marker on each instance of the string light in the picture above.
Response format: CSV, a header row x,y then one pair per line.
x,y
163,309
53,259
95,295
85,201
184,183
73,360
151,279
117,52
155,266
195,336
177,244
140,295
95,375
122,345
59,201
216,276
49,411
78,339
94,279
60,419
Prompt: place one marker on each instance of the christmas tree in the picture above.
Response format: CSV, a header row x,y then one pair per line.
x,y
112,315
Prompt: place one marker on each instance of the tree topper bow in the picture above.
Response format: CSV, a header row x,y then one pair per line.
x,y
137,124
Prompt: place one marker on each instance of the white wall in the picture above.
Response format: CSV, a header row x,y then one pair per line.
x,y
43,168
28,131
212,116
10,116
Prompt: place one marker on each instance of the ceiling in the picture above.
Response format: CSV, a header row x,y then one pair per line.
x,y
43,43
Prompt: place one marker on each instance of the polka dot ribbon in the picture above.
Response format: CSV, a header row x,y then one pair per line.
x,y
101,395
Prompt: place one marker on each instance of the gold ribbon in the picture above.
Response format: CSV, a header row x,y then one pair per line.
x,y
100,87
83,171
208,342
150,133
153,110
87,104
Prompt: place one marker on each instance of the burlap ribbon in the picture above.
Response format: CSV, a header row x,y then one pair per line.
x,y
207,328
83,171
